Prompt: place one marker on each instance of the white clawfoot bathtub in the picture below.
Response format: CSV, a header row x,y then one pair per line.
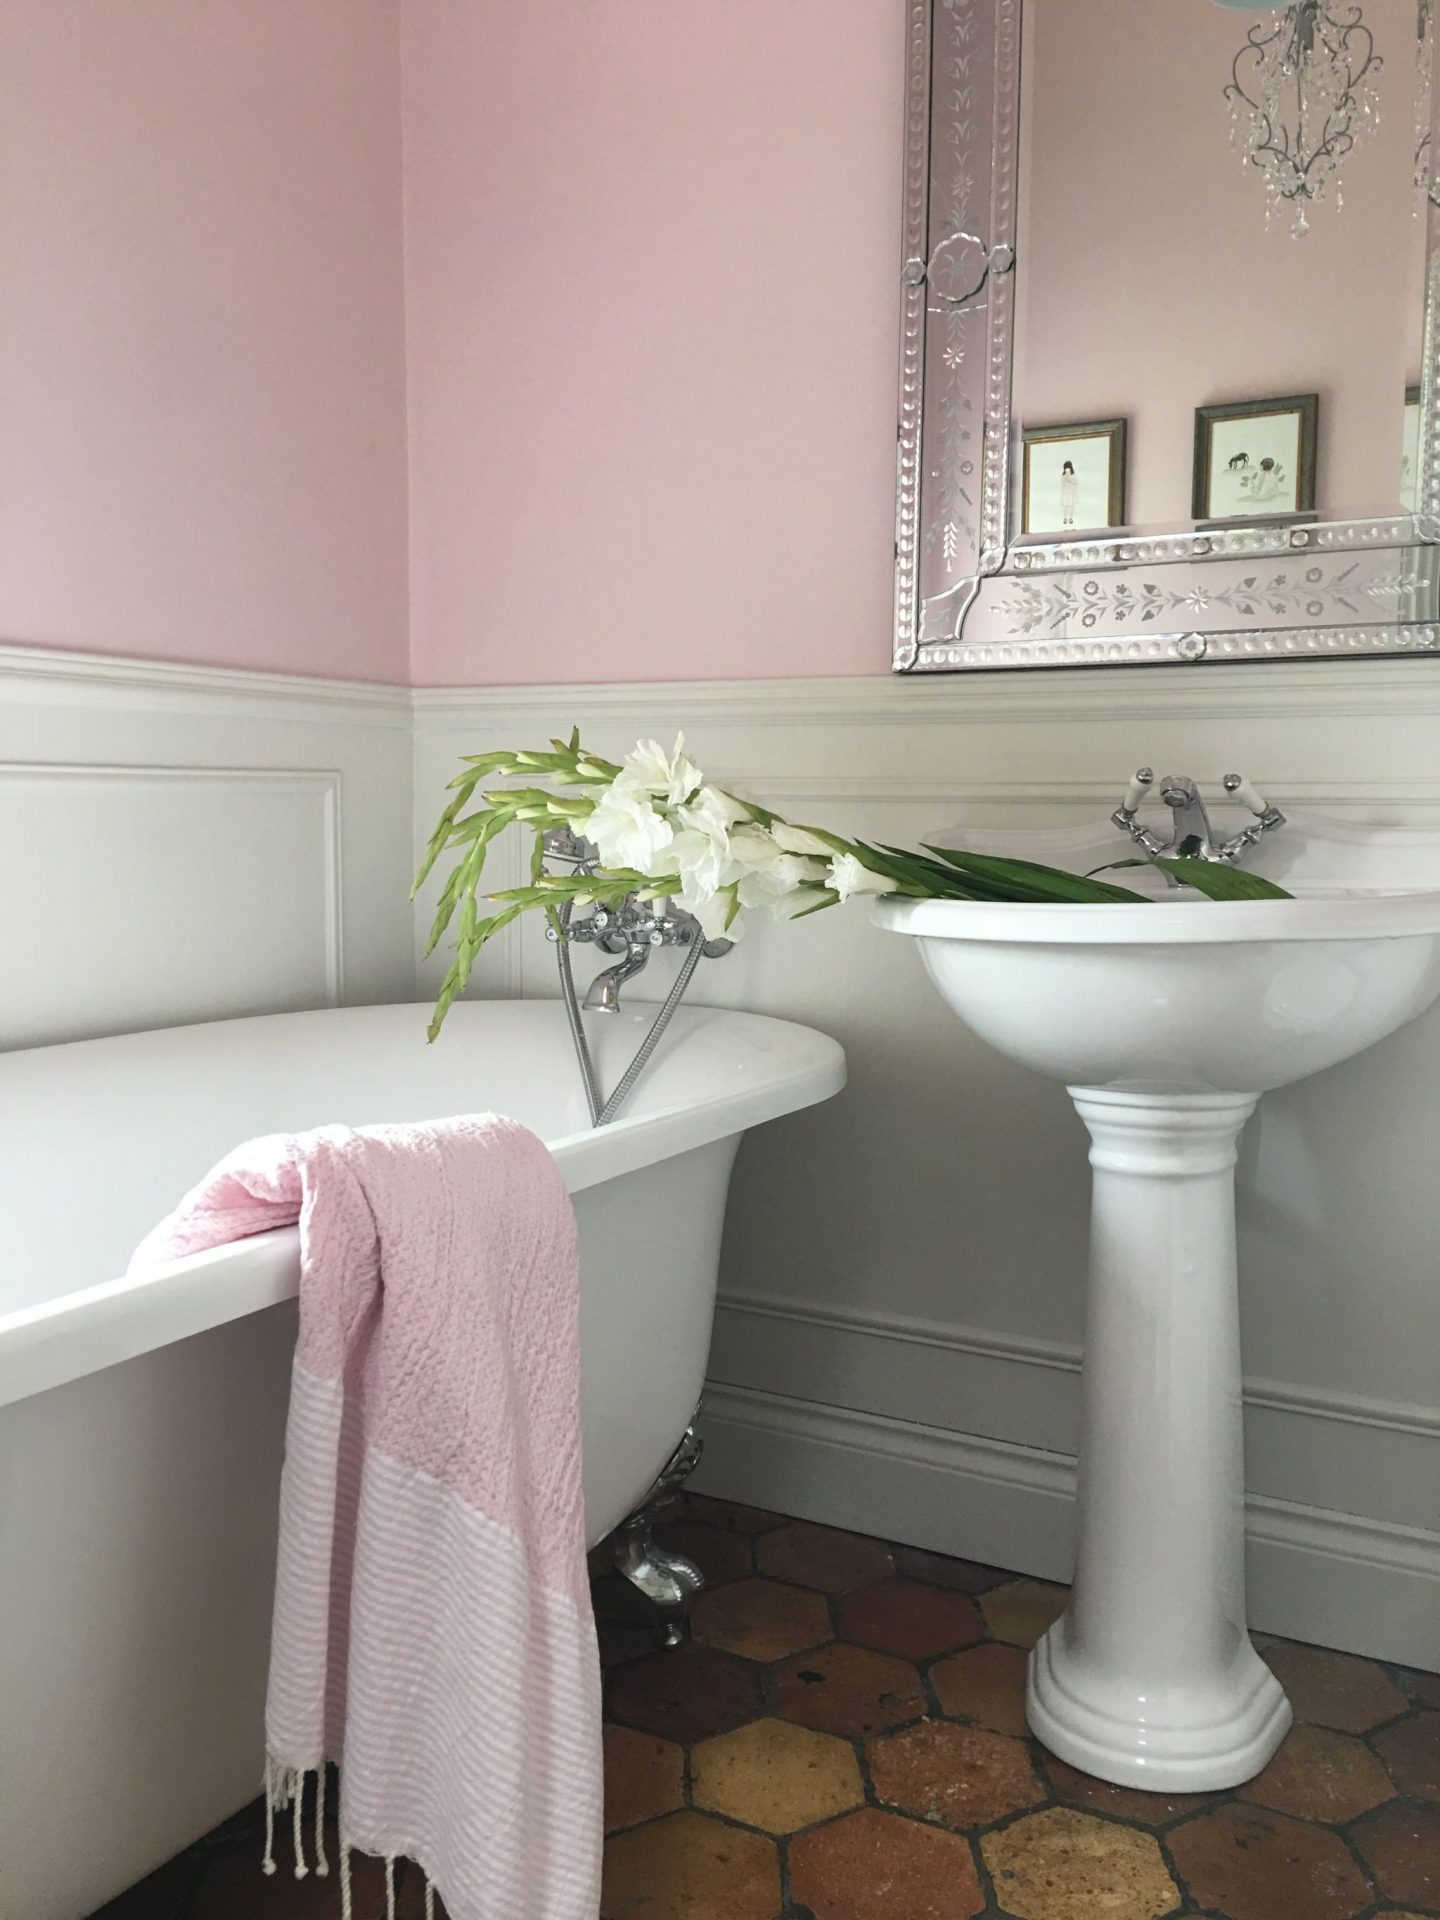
x,y
141,1421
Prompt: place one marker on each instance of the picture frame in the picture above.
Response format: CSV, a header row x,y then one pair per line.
x,y
1073,478
1410,451
1255,459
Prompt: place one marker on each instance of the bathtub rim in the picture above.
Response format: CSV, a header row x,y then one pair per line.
x,y
52,1342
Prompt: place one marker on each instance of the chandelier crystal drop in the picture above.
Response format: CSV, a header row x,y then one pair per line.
x,y
1301,94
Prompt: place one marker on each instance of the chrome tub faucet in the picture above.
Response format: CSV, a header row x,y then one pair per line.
x,y
1191,835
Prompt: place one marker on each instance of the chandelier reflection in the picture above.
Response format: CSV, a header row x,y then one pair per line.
x,y
1301,94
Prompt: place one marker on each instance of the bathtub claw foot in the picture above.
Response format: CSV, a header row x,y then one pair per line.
x,y
668,1580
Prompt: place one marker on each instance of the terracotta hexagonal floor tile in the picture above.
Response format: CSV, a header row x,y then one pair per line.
x,y
689,1868
1251,1864
644,1777
164,1894
775,1775
1078,1789
1020,1612
618,1600
983,1687
721,1554
1318,1774
1334,1689
965,1576
822,1557
961,1776
880,1866
1064,1865
731,1515
1401,1846
619,1643
848,1690
1411,1750
761,1619
910,1619
233,1889
1423,1688
410,1904
685,1693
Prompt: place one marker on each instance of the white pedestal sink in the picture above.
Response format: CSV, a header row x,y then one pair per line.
x,y
1167,1021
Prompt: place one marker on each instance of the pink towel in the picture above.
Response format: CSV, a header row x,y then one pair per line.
x,y
432,1630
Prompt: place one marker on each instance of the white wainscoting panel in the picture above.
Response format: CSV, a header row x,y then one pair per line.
x,y
910,1257
146,920
185,844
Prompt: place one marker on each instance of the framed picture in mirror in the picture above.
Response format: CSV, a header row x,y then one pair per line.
x,y
1255,459
1073,477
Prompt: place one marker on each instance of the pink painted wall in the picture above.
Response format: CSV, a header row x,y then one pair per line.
x,y
1126,123
651,274
201,335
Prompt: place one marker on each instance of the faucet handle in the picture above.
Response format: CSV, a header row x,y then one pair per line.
x,y
1252,801
1267,818
1245,793
1140,783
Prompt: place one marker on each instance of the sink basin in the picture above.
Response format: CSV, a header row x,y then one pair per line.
x,y
1182,993
1167,1021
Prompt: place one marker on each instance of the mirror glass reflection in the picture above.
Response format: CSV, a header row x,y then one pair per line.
x,y
1193,346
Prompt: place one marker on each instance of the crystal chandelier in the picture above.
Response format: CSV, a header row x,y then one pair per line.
x,y
1301,94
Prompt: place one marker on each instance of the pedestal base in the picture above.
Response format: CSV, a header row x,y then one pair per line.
x,y
1149,1679
1189,1741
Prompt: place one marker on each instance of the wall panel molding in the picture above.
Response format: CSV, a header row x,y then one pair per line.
x,y
1389,1416
181,842
1339,1579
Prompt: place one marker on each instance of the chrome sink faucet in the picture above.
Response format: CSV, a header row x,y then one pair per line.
x,y
1191,835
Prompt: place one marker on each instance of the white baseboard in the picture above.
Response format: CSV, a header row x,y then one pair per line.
x,y
1314,1574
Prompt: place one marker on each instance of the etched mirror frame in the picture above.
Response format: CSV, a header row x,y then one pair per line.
x,y
966,596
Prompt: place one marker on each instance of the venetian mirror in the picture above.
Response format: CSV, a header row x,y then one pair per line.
x,y
1169,382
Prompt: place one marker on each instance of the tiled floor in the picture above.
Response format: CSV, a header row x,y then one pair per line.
x,y
845,1740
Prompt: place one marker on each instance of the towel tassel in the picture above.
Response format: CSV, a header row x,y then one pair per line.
x,y
344,1878
390,1887
322,1865
298,1825
429,1898
267,1865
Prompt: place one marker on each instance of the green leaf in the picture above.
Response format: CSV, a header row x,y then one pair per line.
x,y
923,877
1028,880
753,811
464,786
1220,882
828,898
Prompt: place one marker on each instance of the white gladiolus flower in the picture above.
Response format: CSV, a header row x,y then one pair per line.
x,y
701,861
712,910
847,876
666,777
701,849
799,840
628,832
766,875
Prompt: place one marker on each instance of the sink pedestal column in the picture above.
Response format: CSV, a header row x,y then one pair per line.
x,y
1149,1678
